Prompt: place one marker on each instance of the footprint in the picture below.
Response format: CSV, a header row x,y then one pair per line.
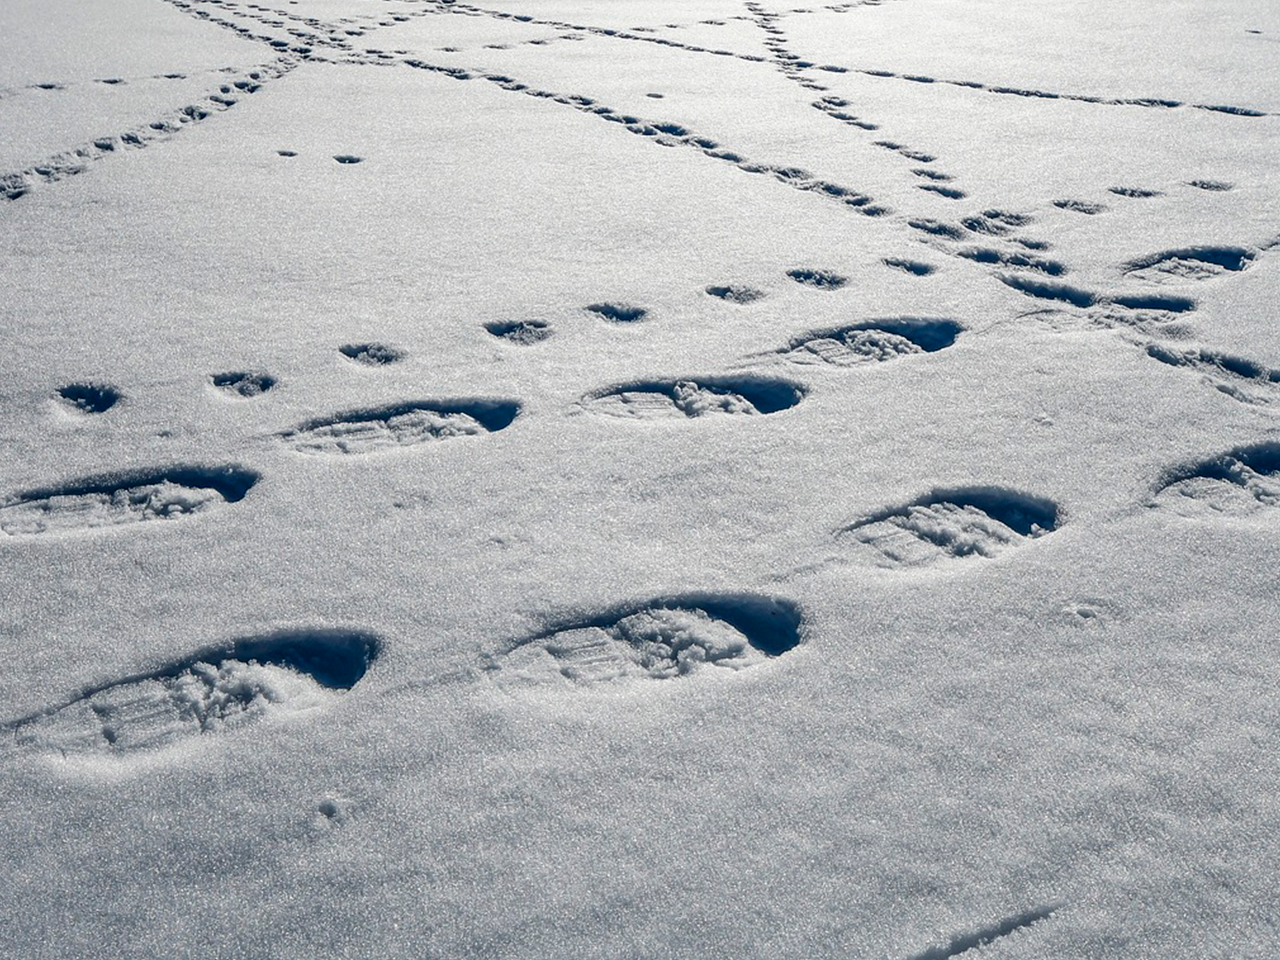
x,y
618,312
673,399
371,354
400,425
735,293
89,397
873,340
212,691
243,383
113,500
663,639
348,158
1237,377
965,522
522,332
1044,290
910,266
1189,263
822,279
1022,260
996,223
1081,206
1237,484
1216,186
287,153
1136,192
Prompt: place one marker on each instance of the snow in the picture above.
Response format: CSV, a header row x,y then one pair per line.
x,y
651,479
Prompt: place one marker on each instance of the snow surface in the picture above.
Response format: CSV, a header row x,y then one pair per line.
x,y
637,478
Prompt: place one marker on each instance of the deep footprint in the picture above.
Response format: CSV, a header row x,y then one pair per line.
x,y
113,500
945,524
209,692
873,341
245,384
663,639
676,399
400,425
618,312
89,397
1238,483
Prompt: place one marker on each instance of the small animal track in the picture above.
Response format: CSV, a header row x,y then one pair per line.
x,y
89,398
914,267
400,425
821,279
1189,263
371,354
675,399
735,293
1238,378
1237,483
946,524
618,312
114,500
212,691
663,639
873,341
525,333
244,384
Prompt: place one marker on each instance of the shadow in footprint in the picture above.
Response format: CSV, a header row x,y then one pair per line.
x,y
951,523
131,497
676,399
243,383
1237,483
89,397
522,332
873,340
348,158
210,691
661,639
371,354
736,293
821,279
618,312
400,425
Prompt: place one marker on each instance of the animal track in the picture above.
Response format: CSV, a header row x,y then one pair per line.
x,y
873,341
243,383
89,397
735,293
348,158
113,500
662,639
910,266
1189,263
618,312
522,332
400,425
214,690
371,354
822,279
1237,483
1217,186
964,522
672,399
1137,193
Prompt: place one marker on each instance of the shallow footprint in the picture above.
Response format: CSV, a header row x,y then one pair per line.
x,y
114,500
400,425
525,333
245,384
1238,483
211,691
674,399
663,639
970,522
371,354
1189,263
